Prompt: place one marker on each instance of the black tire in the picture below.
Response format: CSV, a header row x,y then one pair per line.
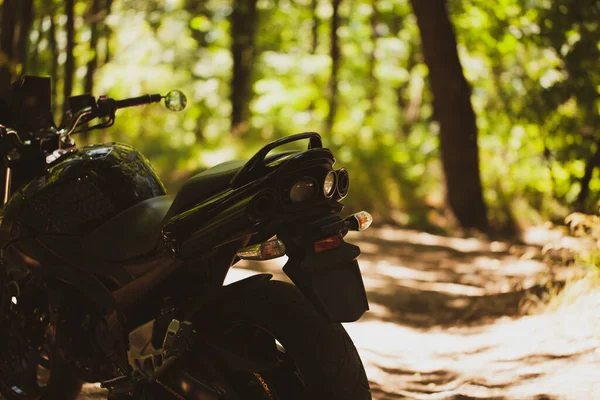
x,y
322,351
62,383
60,380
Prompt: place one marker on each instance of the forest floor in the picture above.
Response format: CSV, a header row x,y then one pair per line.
x,y
446,321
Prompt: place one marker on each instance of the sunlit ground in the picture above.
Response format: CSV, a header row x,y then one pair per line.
x,y
445,320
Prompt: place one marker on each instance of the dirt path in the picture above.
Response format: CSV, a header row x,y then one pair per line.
x,y
444,322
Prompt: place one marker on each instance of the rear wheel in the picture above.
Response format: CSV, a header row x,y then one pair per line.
x,y
317,357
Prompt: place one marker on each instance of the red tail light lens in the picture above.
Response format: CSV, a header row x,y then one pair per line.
x,y
327,244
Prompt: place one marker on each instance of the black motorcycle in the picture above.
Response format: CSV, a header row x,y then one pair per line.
x,y
106,279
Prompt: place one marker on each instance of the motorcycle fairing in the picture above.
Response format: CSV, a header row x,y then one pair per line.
x,y
130,234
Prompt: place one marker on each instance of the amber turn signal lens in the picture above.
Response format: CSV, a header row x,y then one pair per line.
x,y
364,220
359,221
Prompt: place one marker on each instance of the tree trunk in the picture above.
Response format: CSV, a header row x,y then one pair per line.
x,y
22,40
70,62
53,53
372,84
409,107
408,104
94,17
591,163
9,10
453,110
335,65
243,21
315,26
107,33
35,56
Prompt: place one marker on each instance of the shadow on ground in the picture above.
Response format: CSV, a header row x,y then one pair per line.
x,y
445,321
423,280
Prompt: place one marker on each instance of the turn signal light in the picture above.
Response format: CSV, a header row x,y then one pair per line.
x,y
327,244
263,251
359,221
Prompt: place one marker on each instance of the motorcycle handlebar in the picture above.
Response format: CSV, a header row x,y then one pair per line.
x,y
106,106
138,101
86,108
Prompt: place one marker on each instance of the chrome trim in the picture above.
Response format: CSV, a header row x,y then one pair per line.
x,y
7,185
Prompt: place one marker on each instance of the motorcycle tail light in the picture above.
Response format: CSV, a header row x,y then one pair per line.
x,y
329,184
304,189
263,251
343,183
327,244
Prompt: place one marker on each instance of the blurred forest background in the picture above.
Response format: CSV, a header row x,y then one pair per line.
x,y
512,89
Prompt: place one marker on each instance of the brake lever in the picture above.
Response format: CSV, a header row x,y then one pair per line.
x,y
66,132
102,125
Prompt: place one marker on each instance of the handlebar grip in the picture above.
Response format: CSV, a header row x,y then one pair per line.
x,y
138,101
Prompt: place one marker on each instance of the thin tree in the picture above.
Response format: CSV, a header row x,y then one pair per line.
x,y
94,17
372,79
243,22
591,163
107,33
26,16
453,111
52,43
35,53
315,26
408,103
9,10
70,61
335,65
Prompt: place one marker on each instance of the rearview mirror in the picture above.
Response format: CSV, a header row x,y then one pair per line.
x,y
175,100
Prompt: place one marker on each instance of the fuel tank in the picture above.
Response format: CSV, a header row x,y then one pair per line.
x,y
79,191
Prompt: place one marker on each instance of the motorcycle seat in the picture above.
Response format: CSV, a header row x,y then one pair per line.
x,y
204,185
210,182
136,231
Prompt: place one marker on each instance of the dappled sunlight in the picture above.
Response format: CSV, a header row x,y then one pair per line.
x,y
473,118
527,357
442,324
441,321
427,280
467,245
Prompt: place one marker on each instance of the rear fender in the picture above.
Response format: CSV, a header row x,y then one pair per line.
x,y
331,281
210,302
237,344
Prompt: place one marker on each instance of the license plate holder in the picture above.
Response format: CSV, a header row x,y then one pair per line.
x,y
331,281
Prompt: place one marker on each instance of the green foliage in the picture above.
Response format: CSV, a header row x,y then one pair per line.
x,y
533,65
535,100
